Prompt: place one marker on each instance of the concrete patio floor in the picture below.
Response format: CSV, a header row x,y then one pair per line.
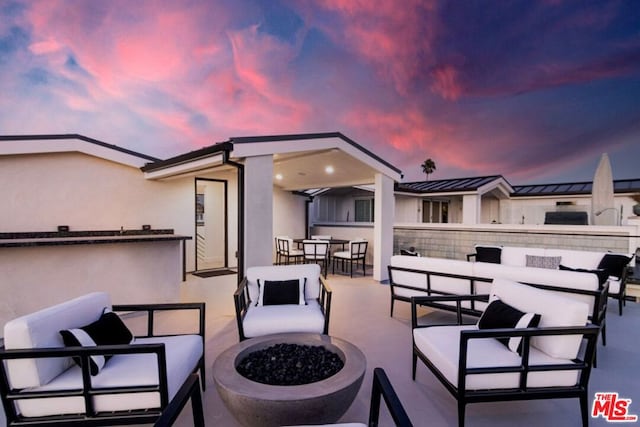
x,y
360,314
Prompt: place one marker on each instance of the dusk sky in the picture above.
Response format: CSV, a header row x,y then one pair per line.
x,y
535,90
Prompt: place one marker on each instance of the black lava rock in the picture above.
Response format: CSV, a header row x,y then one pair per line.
x,y
290,364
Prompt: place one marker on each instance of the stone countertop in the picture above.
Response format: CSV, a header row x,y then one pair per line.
x,y
89,240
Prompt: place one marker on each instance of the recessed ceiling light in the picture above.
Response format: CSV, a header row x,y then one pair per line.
x,y
328,169
279,176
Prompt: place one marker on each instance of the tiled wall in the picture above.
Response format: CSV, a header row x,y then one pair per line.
x,y
456,242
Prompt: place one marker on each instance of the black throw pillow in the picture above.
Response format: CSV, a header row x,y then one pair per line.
x,y
499,315
280,292
614,264
109,329
488,254
602,274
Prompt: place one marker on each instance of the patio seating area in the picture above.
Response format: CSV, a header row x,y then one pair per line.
x,y
360,314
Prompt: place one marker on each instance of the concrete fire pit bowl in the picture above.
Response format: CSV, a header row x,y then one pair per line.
x,y
263,405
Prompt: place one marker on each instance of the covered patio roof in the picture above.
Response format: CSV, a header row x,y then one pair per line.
x,y
301,161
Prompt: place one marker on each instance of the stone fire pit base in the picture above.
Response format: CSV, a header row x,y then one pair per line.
x,y
263,405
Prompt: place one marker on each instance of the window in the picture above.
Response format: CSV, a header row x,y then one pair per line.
x,y
364,210
435,211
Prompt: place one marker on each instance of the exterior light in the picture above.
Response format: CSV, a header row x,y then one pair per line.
x,y
329,169
279,176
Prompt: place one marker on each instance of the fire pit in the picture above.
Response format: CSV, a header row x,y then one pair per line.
x,y
254,403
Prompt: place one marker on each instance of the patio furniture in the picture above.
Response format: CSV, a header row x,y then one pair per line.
x,y
608,266
77,363
316,251
357,251
529,344
284,298
425,276
382,388
287,251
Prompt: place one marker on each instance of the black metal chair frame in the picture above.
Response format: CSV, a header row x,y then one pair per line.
x,y
162,416
382,388
317,255
242,302
583,363
362,255
598,316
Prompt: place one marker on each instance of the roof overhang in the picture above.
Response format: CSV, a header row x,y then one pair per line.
x,y
45,144
301,161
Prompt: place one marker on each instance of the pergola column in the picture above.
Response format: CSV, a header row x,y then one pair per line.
x,y
258,211
384,207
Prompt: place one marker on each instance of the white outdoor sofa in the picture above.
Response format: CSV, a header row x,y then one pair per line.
x,y
549,361
309,313
148,380
425,276
614,264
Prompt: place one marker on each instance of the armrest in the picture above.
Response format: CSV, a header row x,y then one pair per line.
x,y
382,388
325,302
151,310
434,300
83,353
589,333
471,256
241,301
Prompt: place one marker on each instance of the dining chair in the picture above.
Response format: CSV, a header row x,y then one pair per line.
x,y
316,251
357,252
288,252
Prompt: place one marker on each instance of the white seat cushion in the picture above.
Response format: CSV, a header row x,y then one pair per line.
x,y
614,285
182,354
284,272
274,319
41,329
554,310
441,345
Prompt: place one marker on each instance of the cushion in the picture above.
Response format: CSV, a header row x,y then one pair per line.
x,y
602,274
41,329
183,353
554,309
284,272
490,254
279,292
109,329
275,319
537,261
499,315
441,345
614,264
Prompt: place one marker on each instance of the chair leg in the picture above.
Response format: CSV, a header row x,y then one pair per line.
x,y
392,301
603,332
584,409
196,408
620,302
461,405
415,363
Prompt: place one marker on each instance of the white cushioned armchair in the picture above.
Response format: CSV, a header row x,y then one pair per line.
x,y
308,312
147,380
548,356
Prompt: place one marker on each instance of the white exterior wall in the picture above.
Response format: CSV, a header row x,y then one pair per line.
x,y
470,209
408,209
288,215
42,191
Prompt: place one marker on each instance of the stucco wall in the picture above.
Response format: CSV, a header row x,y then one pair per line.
x,y
42,191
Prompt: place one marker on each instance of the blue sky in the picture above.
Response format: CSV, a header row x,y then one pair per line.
x,y
533,90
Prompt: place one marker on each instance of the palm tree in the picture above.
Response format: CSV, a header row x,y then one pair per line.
x,y
428,167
